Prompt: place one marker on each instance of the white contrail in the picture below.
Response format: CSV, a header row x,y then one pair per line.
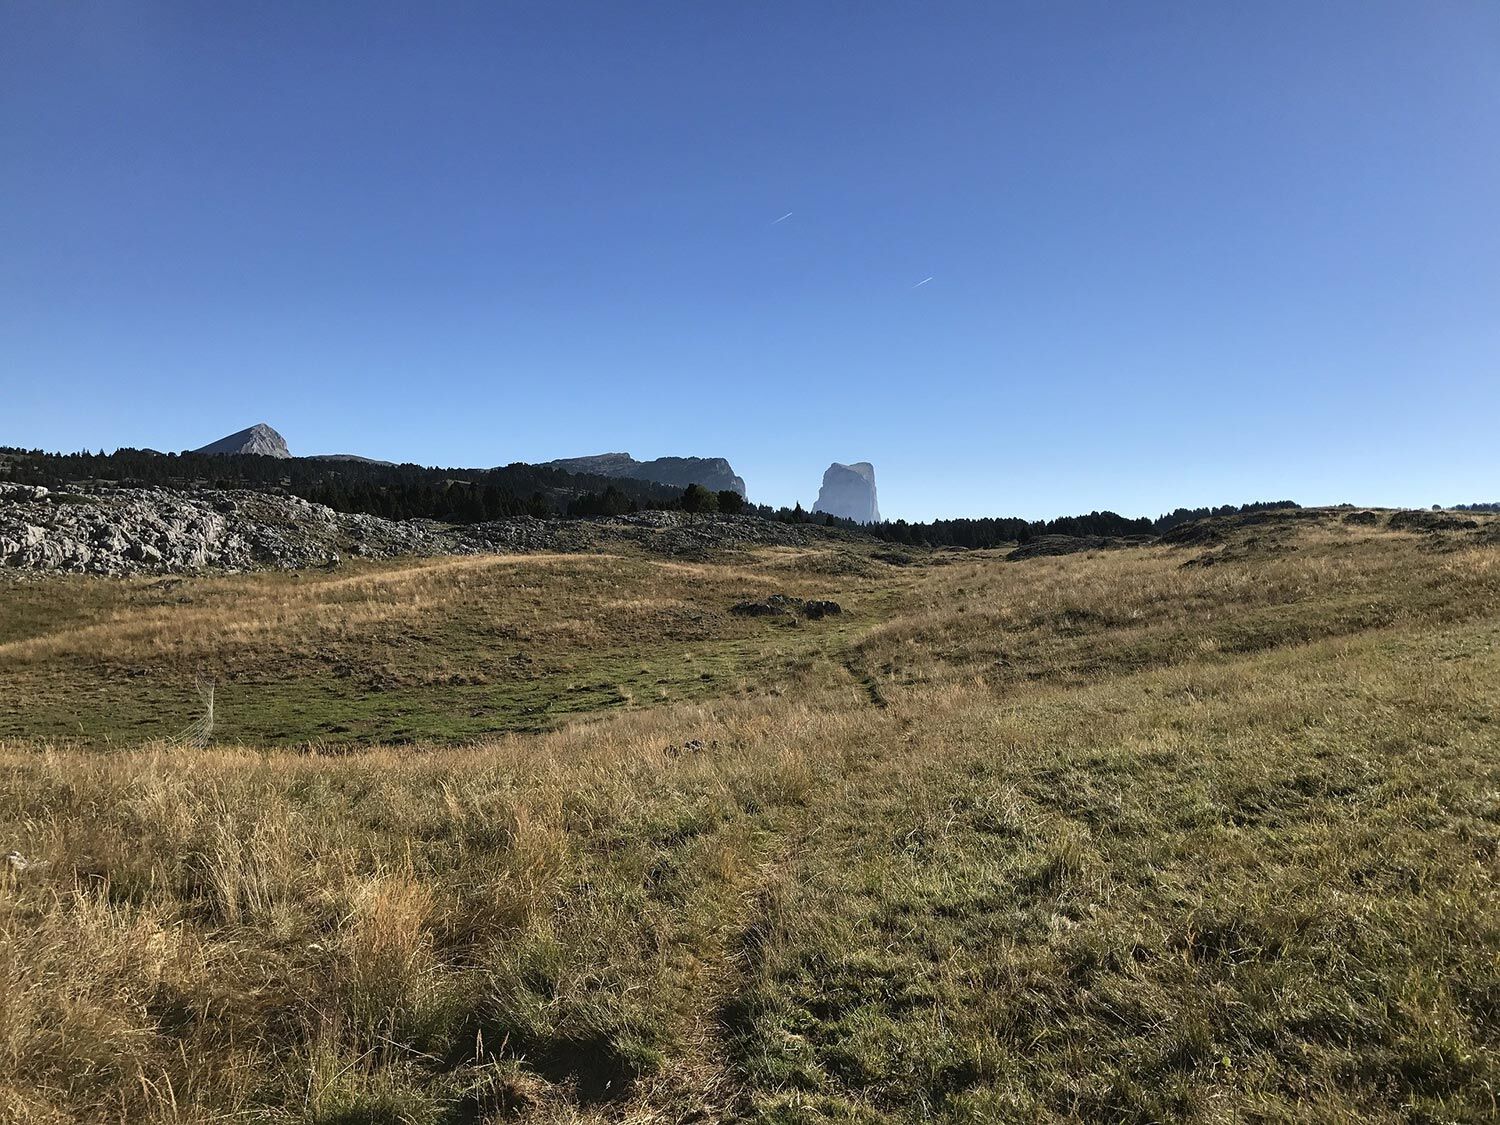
x,y
783,218
921,283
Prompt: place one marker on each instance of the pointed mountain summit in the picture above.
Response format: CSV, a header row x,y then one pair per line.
x,y
259,440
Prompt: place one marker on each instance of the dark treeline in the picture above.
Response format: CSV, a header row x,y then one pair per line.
x,y
474,495
995,531
1493,506
992,531
392,491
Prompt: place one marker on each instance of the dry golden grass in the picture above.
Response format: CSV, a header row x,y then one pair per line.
x,y
1089,838
444,648
228,613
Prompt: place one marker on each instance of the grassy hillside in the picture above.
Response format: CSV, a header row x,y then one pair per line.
x,y
446,648
1206,832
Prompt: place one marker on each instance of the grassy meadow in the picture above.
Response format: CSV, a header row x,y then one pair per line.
x,y
1180,833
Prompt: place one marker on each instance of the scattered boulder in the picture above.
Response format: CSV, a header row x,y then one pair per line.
x,y
144,553
13,865
1418,520
1048,545
783,605
777,605
691,746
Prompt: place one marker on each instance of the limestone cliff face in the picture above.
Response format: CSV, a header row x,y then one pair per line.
x,y
258,439
849,492
711,472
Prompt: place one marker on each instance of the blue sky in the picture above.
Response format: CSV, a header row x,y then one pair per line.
x,y
1182,253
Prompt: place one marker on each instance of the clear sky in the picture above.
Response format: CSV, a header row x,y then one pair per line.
x,y
1180,253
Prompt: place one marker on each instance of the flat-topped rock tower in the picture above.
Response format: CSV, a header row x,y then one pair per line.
x,y
849,492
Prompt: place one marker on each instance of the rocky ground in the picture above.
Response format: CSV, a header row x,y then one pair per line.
x,y
111,531
129,530
1048,545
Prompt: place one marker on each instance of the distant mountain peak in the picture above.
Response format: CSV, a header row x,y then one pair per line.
x,y
259,440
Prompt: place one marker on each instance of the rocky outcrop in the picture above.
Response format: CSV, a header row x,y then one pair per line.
x,y
849,492
781,605
112,531
259,440
1045,546
1419,520
711,472
146,529
1218,529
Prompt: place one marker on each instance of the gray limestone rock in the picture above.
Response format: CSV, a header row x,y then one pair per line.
x,y
849,492
99,529
258,439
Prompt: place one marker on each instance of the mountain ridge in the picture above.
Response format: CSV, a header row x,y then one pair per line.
x,y
711,472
